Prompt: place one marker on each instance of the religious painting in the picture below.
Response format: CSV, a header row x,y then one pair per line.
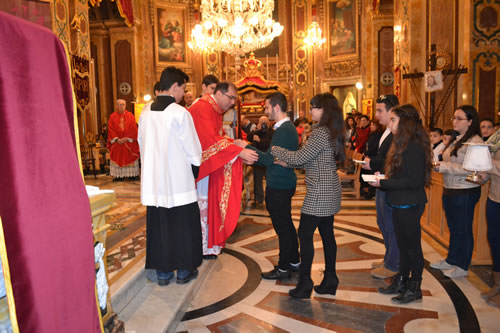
x,y
343,32
433,81
170,34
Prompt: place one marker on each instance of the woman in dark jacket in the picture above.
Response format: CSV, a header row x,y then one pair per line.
x,y
319,157
407,173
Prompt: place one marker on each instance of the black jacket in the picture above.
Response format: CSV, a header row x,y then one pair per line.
x,y
407,186
378,162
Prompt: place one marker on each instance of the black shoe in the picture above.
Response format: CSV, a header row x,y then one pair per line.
x,y
292,268
164,282
303,289
411,294
209,256
276,274
191,276
397,286
328,285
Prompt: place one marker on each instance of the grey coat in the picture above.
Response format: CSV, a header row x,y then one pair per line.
x,y
322,181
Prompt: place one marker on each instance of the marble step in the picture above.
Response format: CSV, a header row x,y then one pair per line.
x,y
144,306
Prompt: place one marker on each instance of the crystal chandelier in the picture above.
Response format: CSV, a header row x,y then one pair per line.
x,y
313,37
235,26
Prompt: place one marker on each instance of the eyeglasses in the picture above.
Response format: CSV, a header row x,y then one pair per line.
x,y
233,98
458,118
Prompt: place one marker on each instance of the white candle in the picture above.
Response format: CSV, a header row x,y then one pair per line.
x,y
277,69
227,69
267,67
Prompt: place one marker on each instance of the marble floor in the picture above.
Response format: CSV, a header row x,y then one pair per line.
x,y
234,298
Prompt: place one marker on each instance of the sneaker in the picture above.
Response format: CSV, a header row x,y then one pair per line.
x,y
443,264
377,264
382,273
456,272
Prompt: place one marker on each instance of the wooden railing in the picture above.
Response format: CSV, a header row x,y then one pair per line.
x,y
434,221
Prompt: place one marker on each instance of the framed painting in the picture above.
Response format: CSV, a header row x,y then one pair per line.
x,y
343,29
171,30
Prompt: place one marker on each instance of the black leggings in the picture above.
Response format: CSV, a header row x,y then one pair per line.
x,y
308,225
408,234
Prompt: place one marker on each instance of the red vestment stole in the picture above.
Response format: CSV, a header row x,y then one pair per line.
x,y
226,175
123,126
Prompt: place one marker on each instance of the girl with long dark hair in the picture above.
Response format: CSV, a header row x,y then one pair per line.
x,y
319,157
459,196
407,172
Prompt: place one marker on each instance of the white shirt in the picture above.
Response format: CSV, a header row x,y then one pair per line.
x,y
384,135
278,124
169,146
438,151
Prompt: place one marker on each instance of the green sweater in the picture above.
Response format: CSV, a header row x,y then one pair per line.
x,y
278,177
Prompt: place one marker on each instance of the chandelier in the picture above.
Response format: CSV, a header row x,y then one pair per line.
x,y
235,26
313,37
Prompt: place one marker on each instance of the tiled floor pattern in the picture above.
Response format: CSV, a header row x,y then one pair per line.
x,y
220,306
236,299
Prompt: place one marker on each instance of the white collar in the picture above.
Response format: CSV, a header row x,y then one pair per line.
x,y
279,123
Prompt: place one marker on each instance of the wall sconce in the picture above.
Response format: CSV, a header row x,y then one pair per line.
x,y
359,85
147,98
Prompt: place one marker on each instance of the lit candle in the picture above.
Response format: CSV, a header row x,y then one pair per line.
x,y
277,69
235,71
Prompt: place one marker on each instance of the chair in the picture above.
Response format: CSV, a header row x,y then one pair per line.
x,y
88,160
352,178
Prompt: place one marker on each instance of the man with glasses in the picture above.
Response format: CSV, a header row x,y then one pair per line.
x,y
390,265
219,182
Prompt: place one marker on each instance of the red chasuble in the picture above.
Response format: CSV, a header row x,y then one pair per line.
x,y
45,210
123,126
226,175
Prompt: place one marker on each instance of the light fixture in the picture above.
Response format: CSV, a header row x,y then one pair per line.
x,y
147,98
359,85
477,158
235,26
313,37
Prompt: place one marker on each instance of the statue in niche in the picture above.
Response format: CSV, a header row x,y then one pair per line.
x,y
349,103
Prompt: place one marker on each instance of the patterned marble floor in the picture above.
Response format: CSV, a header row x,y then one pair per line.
x,y
234,298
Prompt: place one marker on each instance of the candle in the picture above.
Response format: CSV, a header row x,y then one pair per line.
x,y
267,67
235,71
286,64
227,68
277,69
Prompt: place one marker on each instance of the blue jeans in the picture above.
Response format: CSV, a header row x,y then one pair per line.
x,y
493,217
384,222
459,211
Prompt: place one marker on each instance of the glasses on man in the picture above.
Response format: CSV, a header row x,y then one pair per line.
x,y
458,118
231,97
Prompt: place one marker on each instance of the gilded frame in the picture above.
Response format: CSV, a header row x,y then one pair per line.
x,y
342,29
171,42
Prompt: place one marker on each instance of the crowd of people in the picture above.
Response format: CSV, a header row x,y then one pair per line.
x,y
200,182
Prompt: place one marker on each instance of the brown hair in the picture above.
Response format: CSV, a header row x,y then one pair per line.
x,y
410,128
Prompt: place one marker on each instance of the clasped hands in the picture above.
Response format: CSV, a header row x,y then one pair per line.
x,y
248,156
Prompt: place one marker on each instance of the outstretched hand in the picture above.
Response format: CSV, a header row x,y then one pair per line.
x,y
283,164
240,143
249,156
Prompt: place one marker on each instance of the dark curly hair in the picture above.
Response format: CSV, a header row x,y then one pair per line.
x,y
410,128
333,119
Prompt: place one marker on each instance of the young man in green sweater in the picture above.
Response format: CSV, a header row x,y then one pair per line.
x,y
280,187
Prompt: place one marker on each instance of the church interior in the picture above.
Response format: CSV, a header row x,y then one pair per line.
x,y
357,50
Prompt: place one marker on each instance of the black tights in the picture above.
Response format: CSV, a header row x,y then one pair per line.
x,y
308,225
407,226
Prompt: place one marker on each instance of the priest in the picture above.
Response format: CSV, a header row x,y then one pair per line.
x,y
122,143
219,182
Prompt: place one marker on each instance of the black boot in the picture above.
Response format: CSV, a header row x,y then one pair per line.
x,y
303,288
411,294
397,286
328,285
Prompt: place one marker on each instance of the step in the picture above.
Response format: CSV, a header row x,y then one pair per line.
x,y
144,306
